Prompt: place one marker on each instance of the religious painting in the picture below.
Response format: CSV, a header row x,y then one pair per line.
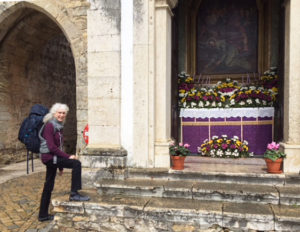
x,y
227,37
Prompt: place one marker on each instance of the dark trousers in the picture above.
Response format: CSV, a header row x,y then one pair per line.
x,y
75,165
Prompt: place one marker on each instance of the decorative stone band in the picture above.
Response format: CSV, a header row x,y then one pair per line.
x,y
227,112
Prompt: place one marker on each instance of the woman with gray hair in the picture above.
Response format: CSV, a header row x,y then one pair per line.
x,y
54,157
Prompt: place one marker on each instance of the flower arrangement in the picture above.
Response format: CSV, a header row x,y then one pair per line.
x,y
179,150
224,94
223,147
273,153
270,79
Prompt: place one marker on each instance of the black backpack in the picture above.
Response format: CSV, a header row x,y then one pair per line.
x,y
29,130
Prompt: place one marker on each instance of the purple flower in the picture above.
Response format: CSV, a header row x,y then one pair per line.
x,y
224,146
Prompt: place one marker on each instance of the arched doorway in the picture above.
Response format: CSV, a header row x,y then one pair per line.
x,y
37,66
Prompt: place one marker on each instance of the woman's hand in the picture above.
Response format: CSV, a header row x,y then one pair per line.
x,y
73,157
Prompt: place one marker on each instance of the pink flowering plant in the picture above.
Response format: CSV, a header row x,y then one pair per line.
x,y
273,153
179,149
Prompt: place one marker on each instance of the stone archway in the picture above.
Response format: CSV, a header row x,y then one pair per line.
x,y
38,65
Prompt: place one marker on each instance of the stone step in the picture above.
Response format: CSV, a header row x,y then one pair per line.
x,y
209,191
214,176
127,213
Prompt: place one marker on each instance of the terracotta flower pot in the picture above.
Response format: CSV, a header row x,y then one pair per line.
x,y
177,162
274,166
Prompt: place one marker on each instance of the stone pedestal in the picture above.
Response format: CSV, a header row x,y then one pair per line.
x,y
102,163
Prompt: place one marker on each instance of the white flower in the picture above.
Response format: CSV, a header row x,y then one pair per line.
x,y
224,136
213,104
236,154
219,152
251,154
199,149
227,106
232,102
201,105
235,137
264,102
207,103
193,104
242,103
228,153
249,101
245,142
257,101
184,104
181,94
214,137
220,104
252,87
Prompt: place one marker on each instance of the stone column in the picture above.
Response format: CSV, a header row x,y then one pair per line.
x,y
291,143
163,26
103,154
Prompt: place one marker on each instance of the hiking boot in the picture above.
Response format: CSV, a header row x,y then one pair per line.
x,y
78,197
47,218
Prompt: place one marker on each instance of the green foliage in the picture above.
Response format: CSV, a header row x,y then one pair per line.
x,y
274,154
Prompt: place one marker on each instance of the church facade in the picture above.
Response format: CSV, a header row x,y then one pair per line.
x,y
114,63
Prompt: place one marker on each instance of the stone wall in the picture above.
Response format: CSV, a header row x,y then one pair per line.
x,y
43,60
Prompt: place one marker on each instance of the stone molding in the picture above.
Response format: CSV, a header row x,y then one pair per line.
x,y
167,4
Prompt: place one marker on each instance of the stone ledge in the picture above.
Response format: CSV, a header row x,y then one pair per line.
x,y
91,151
117,211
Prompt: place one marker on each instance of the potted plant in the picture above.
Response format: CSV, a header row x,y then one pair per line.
x,y
178,154
274,158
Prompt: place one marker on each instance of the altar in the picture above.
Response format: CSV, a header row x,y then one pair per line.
x,y
256,125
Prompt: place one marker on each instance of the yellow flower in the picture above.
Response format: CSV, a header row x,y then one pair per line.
x,y
274,89
182,90
228,141
210,142
223,99
183,99
248,92
238,143
230,85
219,140
198,94
215,94
234,95
245,148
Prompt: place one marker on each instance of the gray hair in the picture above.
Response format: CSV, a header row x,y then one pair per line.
x,y
55,107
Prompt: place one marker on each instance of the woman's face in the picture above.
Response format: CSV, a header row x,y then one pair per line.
x,y
60,115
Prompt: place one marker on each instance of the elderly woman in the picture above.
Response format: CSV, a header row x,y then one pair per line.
x,y
54,157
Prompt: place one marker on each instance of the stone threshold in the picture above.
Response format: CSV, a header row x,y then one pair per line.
x,y
127,213
214,176
227,192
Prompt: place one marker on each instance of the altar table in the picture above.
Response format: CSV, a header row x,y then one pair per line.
x,y
256,125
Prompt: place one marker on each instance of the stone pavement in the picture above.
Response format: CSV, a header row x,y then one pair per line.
x,y
20,195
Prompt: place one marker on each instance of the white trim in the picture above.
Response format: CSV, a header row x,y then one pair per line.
x,y
127,77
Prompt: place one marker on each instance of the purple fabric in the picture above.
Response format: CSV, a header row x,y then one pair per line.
x,y
230,131
53,143
194,135
188,119
258,136
201,119
236,119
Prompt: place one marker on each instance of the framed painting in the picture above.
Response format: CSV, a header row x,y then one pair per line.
x,y
227,37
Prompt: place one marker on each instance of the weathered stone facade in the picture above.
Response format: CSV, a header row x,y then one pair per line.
x,y
121,72
43,60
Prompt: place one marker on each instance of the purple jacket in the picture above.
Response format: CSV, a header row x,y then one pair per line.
x,y
53,143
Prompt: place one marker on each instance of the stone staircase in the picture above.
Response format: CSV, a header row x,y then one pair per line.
x,y
168,200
